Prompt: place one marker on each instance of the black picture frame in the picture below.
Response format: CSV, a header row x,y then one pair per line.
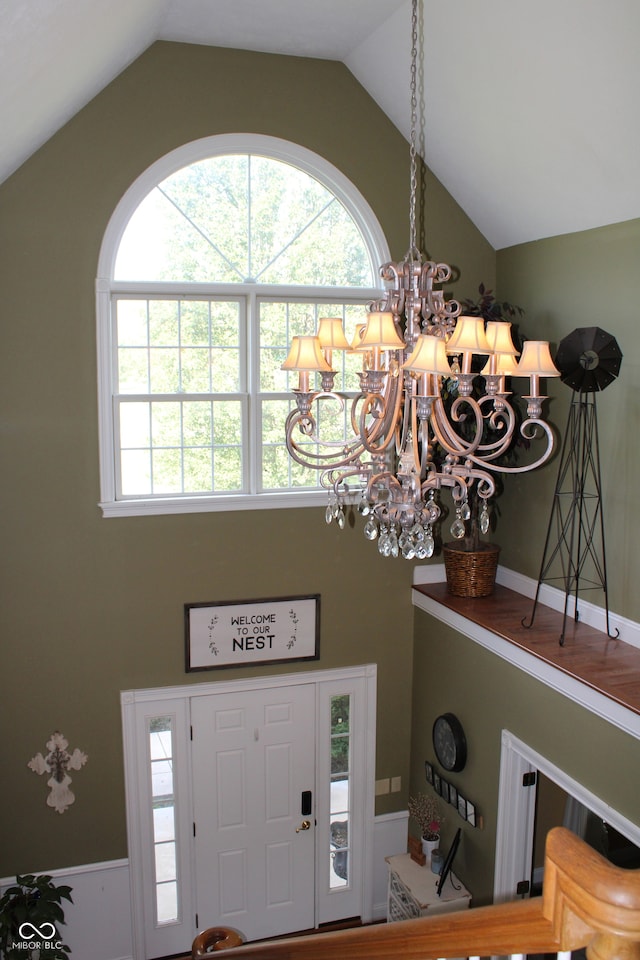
x,y
436,782
453,796
462,806
448,861
445,787
428,772
471,813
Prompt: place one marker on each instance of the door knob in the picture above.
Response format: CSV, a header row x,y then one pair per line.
x,y
305,825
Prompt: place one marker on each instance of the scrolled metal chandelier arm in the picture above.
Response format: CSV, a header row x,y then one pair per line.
x,y
406,444
529,431
501,420
340,453
385,409
444,430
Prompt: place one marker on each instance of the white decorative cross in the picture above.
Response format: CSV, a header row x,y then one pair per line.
x,y
57,762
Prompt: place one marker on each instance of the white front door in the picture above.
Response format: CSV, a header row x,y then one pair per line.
x,y
258,746
253,763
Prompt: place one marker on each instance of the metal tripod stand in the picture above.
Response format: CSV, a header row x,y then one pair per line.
x,y
574,551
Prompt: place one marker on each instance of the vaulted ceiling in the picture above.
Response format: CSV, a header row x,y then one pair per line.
x,y
530,108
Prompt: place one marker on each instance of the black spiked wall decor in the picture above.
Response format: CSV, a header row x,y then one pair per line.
x,y
588,359
574,553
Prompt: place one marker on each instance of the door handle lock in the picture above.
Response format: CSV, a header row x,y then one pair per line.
x,y
305,825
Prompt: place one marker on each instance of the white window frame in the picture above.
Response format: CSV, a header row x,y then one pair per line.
x,y
107,287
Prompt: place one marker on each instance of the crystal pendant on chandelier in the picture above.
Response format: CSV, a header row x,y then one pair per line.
x,y
484,518
371,529
426,416
458,528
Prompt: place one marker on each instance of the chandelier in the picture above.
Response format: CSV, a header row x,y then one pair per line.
x,y
425,418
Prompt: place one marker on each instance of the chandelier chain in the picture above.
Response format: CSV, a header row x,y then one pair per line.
x,y
421,421
413,182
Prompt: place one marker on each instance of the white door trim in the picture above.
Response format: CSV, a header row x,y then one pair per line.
x,y
514,827
516,816
253,683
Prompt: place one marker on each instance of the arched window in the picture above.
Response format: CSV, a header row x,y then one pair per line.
x,y
214,259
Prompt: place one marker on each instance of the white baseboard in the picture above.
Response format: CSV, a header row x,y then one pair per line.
x,y
430,573
589,613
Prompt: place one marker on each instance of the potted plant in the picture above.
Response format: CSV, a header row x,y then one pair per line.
x,y
30,915
426,811
471,563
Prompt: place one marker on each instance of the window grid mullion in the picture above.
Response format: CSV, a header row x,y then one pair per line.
x,y
179,321
249,244
251,328
151,471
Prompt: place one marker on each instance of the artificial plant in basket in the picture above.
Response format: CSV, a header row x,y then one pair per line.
x,y
30,916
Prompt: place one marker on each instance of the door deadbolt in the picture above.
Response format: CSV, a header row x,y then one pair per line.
x,y
305,825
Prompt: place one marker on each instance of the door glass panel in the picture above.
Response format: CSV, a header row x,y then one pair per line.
x,y
161,749
340,850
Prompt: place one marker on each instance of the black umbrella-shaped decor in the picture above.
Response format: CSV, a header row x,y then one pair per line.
x,y
574,554
588,359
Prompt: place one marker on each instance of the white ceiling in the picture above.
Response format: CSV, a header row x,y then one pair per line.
x,y
531,108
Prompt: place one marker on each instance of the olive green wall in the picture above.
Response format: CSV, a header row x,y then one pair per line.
x,y
89,606
488,695
578,280
588,279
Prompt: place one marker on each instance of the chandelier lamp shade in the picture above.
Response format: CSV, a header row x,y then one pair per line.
x,y
306,356
432,412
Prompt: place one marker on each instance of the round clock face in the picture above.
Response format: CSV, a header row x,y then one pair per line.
x,y
449,742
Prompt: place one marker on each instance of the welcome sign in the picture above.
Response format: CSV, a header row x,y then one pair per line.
x,y
250,632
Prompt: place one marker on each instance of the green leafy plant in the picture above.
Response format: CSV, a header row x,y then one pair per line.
x,y
30,914
489,308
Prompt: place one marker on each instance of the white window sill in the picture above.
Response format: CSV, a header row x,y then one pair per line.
x,y
168,505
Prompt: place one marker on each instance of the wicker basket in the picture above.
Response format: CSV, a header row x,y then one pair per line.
x,y
470,573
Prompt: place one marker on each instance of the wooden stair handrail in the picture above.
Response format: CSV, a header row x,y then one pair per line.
x,y
468,933
586,902
587,898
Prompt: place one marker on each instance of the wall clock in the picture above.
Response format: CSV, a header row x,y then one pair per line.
x,y
449,742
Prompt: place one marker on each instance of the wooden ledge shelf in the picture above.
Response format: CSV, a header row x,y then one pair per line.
x,y
610,667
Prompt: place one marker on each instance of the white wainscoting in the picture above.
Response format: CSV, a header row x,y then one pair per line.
x,y
98,922
389,838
